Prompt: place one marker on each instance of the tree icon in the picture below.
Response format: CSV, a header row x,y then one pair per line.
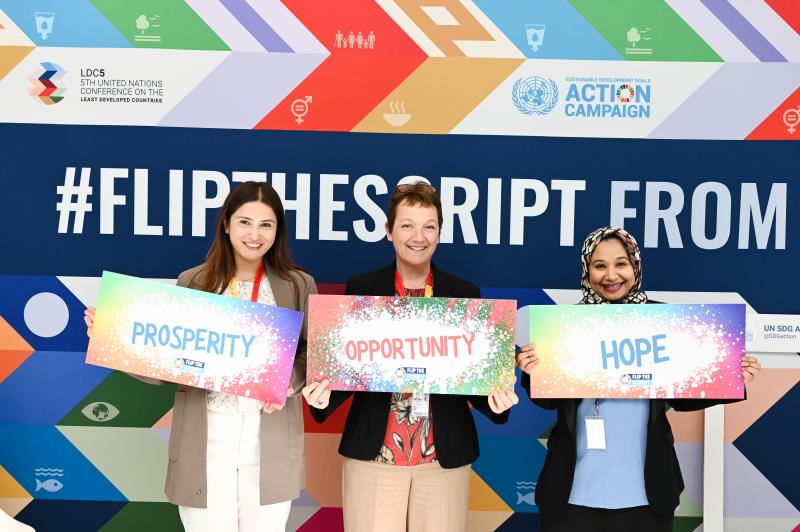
x,y
633,36
142,23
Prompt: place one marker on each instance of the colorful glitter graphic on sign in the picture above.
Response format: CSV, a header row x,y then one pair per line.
x,y
194,338
638,351
410,344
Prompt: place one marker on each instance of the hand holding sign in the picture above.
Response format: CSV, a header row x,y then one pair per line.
x,y
88,319
526,358
750,368
317,394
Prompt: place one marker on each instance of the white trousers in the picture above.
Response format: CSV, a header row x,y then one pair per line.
x,y
233,480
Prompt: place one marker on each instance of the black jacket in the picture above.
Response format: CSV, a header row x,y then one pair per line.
x,y
663,481
454,432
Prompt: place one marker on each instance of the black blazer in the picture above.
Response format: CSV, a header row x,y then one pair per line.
x,y
454,433
663,481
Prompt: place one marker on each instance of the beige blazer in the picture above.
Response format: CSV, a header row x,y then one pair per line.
x,y
283,472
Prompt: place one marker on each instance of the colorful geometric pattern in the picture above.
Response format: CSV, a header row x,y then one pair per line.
x,y
45,88
101,490
409,66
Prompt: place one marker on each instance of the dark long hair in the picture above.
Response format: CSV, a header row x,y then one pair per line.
x,y
220,266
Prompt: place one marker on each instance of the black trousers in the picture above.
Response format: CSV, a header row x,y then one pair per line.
x,y
583,519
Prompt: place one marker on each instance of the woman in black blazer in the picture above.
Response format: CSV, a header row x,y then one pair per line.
x,y
403,471
612,273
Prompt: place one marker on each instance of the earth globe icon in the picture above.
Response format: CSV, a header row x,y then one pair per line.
x,y
534,95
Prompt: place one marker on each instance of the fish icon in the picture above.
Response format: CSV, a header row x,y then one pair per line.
x,y
527,498
52,485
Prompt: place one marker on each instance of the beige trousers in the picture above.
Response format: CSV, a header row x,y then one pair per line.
x,y
391,498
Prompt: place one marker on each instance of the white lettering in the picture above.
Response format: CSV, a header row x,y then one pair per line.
x,y
201,202
327,206
462,211
108,199
520,211
363,200
669,215
775,213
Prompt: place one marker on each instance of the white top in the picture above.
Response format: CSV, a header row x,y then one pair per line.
x,y
225,402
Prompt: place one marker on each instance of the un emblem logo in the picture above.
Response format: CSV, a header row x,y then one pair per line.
x,y
534,95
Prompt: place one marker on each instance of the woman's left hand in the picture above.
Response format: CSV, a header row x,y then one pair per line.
x,y
273,407
750,368
502,399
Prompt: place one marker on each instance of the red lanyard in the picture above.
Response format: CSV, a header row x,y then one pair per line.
x,y
401,290
257,282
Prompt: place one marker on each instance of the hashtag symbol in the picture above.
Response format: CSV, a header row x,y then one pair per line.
x,y
80,206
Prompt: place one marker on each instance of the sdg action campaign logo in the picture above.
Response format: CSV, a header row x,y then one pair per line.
x,y
534,95
44,87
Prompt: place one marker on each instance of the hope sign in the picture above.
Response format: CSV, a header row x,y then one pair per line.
x,y
630,350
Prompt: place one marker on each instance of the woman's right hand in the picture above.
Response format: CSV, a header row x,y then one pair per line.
x,y
88,317
317,394
526,358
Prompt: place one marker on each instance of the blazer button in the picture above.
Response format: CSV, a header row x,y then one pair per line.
x,y
199,492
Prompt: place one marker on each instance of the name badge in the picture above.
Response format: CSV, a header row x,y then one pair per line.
x,y
595,433
420,404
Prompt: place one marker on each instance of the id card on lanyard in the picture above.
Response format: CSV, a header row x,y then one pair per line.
x,y
596,429
420,402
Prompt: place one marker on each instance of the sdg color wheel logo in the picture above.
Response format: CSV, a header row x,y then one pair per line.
x,y
534,95
44,86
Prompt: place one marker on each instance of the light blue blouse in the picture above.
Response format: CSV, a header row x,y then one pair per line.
x,y
612,478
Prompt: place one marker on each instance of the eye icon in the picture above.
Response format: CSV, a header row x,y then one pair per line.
x,y
100,411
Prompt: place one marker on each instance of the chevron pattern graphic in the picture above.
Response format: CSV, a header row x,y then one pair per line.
x,y
449,63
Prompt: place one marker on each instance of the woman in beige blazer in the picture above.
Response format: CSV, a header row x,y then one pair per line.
x,y
236,463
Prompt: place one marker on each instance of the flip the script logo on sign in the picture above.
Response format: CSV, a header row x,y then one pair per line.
x,y
410,344
195,338
638,351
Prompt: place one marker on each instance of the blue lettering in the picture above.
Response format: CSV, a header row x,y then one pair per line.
x,y
572,93
150,333
233,338
622,345
587,96
657,348
247,345
176,337
138,330
642,348
201,338
629,351
642,93
188,336
163,335
612,354
213,340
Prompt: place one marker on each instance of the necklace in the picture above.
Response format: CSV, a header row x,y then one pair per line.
x,y
256,284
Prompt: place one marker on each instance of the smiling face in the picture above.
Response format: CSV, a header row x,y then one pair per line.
x,y
252,229
611,273
414,234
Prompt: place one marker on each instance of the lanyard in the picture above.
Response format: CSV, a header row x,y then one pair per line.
x,y
401,290
256,284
